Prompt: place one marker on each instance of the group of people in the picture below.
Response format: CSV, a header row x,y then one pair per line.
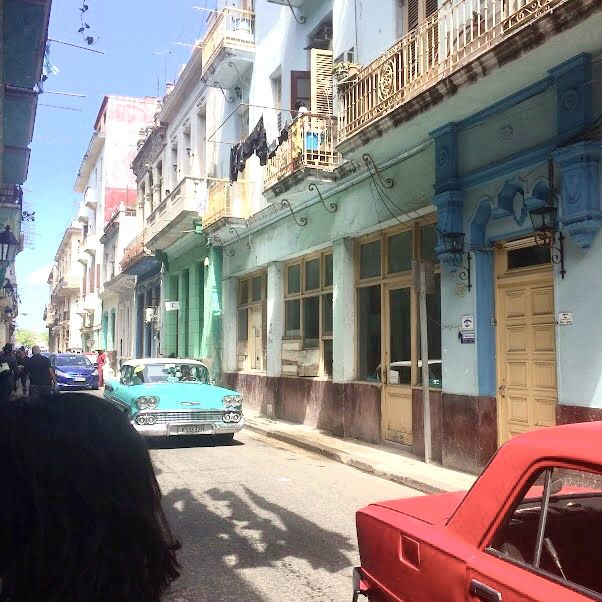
x,y
34,373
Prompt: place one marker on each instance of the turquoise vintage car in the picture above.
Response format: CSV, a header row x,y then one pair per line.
x,y
175,397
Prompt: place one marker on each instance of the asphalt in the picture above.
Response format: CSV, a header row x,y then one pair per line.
x,y
261,520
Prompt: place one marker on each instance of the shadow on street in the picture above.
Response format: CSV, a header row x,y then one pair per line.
x,y
184,442
215,547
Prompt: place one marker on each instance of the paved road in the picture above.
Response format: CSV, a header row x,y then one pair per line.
x,y
262,521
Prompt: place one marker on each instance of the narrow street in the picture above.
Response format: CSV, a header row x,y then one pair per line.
x,y
262,521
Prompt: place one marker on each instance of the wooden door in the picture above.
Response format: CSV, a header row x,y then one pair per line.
x,y
527,393
396,369
255,338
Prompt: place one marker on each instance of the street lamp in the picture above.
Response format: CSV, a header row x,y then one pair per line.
x,y
455,250
8,247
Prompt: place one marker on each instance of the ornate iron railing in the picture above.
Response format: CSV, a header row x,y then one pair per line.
x,y
225,199
311,143
456,34
232,27
134,251
11,194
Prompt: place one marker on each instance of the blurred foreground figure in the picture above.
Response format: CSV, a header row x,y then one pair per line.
x,y
80,506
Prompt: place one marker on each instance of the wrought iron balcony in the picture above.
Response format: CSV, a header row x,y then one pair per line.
x,y
458,33
11,194
233,31
310,145
226,201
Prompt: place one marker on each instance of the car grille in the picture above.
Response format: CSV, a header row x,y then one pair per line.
x,y
185,417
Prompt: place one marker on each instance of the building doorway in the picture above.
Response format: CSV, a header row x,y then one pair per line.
x,y
396,370
526,351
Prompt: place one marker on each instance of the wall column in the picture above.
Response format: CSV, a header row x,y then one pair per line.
x,y
169,326
343,308
230,322
211,348
275,318
195,291
183,314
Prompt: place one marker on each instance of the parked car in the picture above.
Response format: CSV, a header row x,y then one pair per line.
x,y
529,529
175,397
74,371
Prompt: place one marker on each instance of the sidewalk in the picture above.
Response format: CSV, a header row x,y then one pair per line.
x,y
381,460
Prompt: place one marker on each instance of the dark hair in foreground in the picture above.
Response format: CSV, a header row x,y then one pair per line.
x,y
80,507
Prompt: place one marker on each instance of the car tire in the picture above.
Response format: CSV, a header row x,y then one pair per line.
x,y
224,439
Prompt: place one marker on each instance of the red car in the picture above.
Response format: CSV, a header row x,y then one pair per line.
x,y
529,529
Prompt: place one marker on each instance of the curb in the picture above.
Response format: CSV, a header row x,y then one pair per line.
x,y
344,458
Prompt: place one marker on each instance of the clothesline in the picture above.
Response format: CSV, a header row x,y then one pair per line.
x,y
246,104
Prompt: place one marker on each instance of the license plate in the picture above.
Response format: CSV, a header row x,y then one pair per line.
x,y
79,379
193,429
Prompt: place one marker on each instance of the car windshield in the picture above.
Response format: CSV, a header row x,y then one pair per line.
x,y
72,360
170,373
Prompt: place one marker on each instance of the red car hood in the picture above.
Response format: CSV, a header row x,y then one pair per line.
x,y
432,509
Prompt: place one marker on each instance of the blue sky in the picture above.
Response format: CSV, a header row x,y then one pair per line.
x,y
131,32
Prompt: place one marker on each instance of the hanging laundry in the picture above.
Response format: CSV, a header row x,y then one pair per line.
x,y
234,151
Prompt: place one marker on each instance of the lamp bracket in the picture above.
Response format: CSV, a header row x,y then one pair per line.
x,y
302,221
375,172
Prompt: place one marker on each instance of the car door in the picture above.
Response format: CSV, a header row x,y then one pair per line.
x,y
116,391
548,547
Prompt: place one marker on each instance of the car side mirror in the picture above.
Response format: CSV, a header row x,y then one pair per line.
x,y
108,387
122,381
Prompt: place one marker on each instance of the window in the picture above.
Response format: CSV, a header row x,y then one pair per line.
x,y
387,304
563,544
300,89
251,334
308,306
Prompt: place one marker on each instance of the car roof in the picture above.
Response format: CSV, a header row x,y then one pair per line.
x,y
162,360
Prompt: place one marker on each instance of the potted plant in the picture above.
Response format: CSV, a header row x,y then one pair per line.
x,y
344,69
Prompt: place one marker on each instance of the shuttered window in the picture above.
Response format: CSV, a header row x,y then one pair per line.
x,y
321,81
412,14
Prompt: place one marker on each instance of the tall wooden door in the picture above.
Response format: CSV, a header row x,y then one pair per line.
x,y
255,338
527,392
396,369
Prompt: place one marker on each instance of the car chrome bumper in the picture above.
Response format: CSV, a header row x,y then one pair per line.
x,y
169,430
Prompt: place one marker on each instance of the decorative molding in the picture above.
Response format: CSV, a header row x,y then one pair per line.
x,y
333,205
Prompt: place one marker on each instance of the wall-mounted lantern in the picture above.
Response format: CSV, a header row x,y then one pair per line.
x,y
8,247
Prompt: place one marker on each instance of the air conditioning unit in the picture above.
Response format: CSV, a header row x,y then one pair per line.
x,y
150,314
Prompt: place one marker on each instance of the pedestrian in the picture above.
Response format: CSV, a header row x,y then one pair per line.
x,y
41,374
22,361
100,364
7,356
5,384
80,506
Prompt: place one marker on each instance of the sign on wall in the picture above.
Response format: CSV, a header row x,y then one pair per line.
x,y
467,322
172,305
565,318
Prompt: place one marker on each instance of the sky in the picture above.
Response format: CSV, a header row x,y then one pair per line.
x,y
139,39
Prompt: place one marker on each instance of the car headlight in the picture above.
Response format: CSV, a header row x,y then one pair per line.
x,y
232,401
147,403
61,374
94,372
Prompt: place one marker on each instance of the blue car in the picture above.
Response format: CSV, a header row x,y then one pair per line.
x,y
74,371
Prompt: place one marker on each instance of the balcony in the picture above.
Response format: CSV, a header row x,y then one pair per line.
x,y
90,302
82,256
226,204
444,44
175,215
49,315
65,286
228,48
90,244
11,195
309,152
80,308
137,259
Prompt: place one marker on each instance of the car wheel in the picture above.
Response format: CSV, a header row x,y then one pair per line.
x,y
224,438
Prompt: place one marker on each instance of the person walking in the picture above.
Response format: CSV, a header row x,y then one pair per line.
x,y
100,363
22,360
41,374
8,357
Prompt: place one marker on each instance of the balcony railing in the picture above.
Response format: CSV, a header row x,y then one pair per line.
x,y
133,252
185,197
311,143
11,194
232,27
226,200
456,34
